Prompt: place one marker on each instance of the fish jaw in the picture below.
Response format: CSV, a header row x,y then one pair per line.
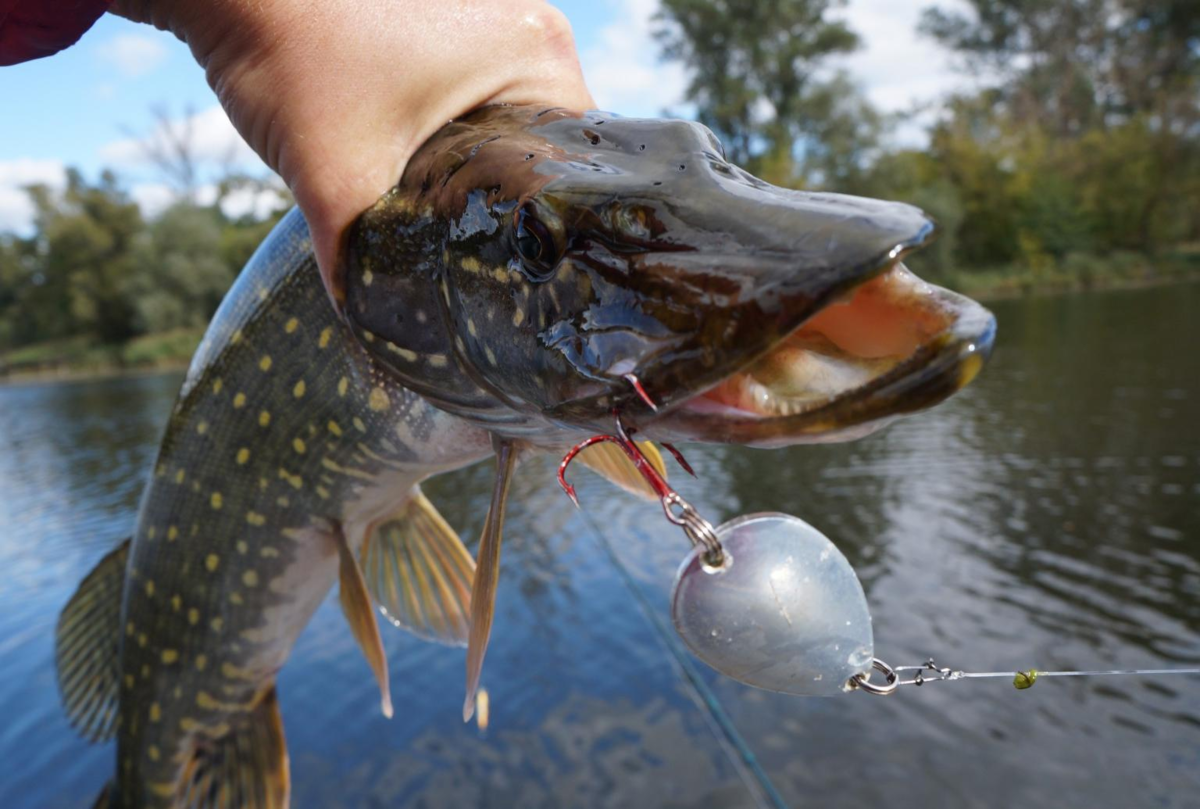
x,y
891,346
696,273
664,283
657,258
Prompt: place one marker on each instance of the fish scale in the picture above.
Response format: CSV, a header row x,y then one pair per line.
x,y
284,422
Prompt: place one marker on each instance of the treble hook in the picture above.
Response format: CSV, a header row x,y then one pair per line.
x,y
621,439
678,511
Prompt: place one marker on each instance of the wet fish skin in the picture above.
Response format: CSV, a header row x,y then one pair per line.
x,y
284,424
660,258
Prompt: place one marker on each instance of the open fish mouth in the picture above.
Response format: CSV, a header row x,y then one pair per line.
x,y
891,345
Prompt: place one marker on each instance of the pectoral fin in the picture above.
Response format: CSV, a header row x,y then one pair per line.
x,y
611,463
419,572
247,767
487,570
87,646
356,604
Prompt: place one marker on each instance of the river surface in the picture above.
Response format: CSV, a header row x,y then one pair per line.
x,y
1048,516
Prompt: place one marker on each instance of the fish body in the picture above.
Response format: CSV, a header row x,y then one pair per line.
x,y
285,431
533,272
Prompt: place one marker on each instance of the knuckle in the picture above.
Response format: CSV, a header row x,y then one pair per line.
x,y
549,27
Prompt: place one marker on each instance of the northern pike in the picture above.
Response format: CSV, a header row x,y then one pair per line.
x,y
533,272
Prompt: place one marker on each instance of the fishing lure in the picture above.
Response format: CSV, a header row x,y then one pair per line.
x,y
770,601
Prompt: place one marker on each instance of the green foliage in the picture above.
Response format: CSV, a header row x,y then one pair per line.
x,y
754,72
83,257
917,178
1083,155
1078,166
1074,65
171,347
844,135
180,276
239,241
94,277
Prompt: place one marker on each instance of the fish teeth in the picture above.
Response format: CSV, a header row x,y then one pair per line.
x,y
761,395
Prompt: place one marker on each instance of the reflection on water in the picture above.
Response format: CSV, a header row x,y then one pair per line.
x,y
1049,516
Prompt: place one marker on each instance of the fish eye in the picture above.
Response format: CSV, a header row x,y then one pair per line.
x,y
535,244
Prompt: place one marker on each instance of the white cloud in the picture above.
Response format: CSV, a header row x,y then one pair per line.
x,y
152,198
16,212
213,140
623,69
900,69
133,54
258,204
206,194
27,171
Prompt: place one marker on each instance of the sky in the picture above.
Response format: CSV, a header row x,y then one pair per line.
x,y
91,105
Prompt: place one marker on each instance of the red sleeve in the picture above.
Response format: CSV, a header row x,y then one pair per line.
x,y
30,29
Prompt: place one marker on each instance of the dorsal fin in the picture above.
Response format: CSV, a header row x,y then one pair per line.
x,y
419,572
87,647
611,463
246,768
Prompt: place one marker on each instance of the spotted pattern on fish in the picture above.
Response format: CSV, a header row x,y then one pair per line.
x,y
254,466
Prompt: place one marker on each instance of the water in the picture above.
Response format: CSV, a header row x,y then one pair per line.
x,y
1047,517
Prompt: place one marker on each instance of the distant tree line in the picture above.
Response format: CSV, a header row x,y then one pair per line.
x,y
1082,146
94,265
1081,149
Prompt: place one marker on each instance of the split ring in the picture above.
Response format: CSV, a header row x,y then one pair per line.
x,y
861,681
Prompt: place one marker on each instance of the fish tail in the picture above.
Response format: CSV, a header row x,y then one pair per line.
x,y
247,767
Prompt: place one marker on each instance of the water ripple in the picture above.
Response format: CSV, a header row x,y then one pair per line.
x,y
1047,517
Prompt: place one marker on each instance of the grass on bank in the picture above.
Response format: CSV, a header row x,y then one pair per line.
x,y
82,355
1077,272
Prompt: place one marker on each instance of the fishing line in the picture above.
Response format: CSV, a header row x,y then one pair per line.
x,y
736,748
930,672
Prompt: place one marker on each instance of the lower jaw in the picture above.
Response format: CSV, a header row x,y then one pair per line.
x,y
932,352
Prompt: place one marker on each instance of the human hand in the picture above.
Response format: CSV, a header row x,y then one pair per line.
x,y
336,96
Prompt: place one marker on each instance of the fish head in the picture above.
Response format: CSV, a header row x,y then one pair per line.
x,y
564,266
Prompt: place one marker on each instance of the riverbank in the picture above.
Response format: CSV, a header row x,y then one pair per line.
x,y
1077,273
80,358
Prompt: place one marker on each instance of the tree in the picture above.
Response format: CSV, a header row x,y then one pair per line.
x,y
845,138
83,250
1155,67
917,178
1104,99
179,278
12,276
756,73
1043,54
